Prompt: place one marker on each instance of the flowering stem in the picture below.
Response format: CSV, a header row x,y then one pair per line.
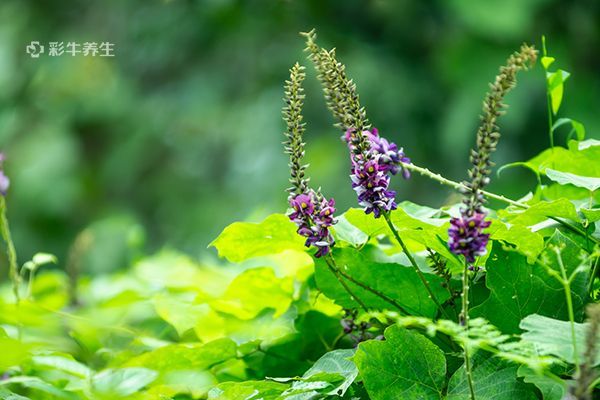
x,y
386,215
333,266
459,186
10,248
465,321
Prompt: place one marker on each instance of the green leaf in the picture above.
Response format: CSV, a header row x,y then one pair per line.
x,y
550,388
243,240
493,379
64,363
6,394
566,178
394,280
576,127
115,383
250,390
13,352
541,211
176,310
336,362
552,336
254,290
556,82
404,366
194,356
38,385
527,242
519,289
547,61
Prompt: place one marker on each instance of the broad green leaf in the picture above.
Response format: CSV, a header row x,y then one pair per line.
x,y
493,379
550,388
39,387
6,394
250,390
556,82
65,363
527,242
13,352
254,290
180,311
404,366
336,362
541,211
519,289
193,356
552,336
396,281
566,178
122,382
243,240
346,232
592,215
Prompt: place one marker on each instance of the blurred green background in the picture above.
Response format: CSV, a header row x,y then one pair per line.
x,y
180,133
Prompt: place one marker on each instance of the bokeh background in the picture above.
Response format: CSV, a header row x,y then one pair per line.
x,y
180,133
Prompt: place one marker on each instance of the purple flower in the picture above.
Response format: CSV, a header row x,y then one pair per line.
x,y
370,172
313,214
466,237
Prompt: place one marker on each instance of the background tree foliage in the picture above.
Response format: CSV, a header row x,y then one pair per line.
x,y
176,136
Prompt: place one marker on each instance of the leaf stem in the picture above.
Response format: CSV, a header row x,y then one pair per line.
x,y
465,321
567,287
10,249
333,265
386,216
336,273
593,276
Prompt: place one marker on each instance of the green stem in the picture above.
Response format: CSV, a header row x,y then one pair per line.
x,y
593,276
336,273
386,216
10,248
376,292
548,97
459,186
567,287
465,320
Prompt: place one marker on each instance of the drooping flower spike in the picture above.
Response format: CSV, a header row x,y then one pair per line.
x,y
370,173
310,210
465,235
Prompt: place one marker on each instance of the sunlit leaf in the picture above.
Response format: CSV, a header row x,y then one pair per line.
x,y
566,178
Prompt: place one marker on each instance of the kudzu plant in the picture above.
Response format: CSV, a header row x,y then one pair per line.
x,y
490,298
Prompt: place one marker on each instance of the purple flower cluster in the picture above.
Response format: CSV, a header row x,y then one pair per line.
x,y
466,237
313,214
4,181
371,171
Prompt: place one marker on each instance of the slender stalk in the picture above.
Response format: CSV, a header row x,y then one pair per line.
x,y
386,216
465,321
337,275
10,248
333,266
548,97
459,186
567,287
593,276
